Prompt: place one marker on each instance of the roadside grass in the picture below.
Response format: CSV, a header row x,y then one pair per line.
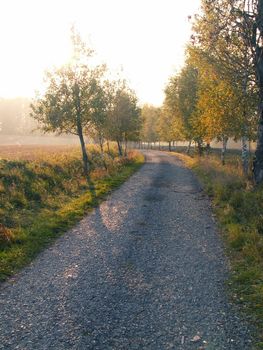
x,y
45,195
239,210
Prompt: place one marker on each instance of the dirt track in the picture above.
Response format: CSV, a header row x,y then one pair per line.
x,y
145,270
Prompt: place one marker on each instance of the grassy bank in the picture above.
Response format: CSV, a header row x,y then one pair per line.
x,y
239,210
43,193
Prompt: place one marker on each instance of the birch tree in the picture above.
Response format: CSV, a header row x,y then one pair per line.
x,y
123,119
223,33
221,102
150,116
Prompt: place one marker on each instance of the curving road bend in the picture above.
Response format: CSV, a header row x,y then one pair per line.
x,y
145,270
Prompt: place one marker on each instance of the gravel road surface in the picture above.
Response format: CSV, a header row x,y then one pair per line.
x,y
145,270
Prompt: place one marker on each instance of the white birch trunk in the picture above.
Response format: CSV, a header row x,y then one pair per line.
x,y
245,155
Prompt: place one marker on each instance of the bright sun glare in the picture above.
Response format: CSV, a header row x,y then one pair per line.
x,y
146,38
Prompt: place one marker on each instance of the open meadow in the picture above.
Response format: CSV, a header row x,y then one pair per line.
x,y
36,152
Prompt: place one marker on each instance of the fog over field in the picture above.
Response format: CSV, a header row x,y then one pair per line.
x,y
18,128
14,116
20,140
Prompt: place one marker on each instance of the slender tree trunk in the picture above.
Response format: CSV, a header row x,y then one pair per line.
x,y
159,145
208,148
102,152
169,146
223,150
108,146
80,132
258,161
245,155
125,148
119,148
101,144
244,138
189,147
199,147
84,151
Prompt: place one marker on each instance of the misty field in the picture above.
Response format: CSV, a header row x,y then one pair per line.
x,y
43,192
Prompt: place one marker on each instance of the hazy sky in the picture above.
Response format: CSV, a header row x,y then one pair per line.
x,y
145,37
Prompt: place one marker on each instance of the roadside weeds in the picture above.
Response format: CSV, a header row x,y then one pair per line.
x,y
31,222
239,211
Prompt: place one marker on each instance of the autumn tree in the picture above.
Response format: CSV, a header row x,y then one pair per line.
x,y
180,106
150,116
183,90
123,116
221,102
171,108
228,32
72,98
100,123
165,128
188,97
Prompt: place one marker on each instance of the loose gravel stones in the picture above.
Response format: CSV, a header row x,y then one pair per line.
x,y
145,270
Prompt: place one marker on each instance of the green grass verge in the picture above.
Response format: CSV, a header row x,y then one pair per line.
x,y
37,227
239,211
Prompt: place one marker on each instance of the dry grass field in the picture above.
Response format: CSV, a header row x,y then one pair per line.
x,y
35,152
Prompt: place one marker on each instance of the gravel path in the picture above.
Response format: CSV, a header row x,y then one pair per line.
x,y
145,270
